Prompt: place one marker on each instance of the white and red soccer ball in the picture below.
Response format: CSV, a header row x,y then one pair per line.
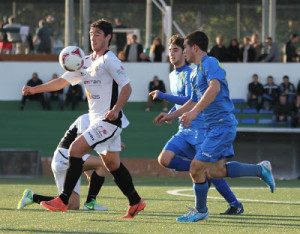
x,y
50,19
71,58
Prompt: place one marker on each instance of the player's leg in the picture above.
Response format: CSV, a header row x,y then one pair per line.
x,y
29,197
78,148
177,154
200,186
96,179
235,207
124,181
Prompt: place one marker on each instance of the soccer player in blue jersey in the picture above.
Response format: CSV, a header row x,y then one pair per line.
x,y
210,95
179,151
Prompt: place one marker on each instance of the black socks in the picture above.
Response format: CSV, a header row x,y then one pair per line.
x,y
123,179
73,174
39,198
95,186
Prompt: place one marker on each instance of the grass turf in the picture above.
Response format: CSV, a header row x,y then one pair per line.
x,y
161,211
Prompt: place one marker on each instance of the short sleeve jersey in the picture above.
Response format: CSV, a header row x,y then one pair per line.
x,y
220,110
101,79
180,86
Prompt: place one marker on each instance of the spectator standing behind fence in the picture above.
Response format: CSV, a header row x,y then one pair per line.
x,y
133,50
34,81
5,45
257,46
14,37
120,37
291,49
43,38
288,89
272,53
74,95
54,96
271,94
157,51
282,112
156,84
233,51
255,92
247,52
219,51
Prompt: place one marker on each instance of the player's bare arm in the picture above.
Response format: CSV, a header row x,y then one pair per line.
x,y
52,85
209,95
123,98
168,117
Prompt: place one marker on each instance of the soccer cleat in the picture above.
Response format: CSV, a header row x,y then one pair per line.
x,y
93,205
267,176
55,204
233,210
27,199
134,210
193,216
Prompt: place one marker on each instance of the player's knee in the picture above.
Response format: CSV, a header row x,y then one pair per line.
x,y
163,161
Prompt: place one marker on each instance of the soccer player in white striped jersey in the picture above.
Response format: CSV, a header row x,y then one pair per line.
x,y
92,166
101,75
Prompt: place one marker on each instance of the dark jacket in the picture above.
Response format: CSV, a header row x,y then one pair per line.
x,y
161,86
256,89
219,53
251,54
139,51
290,51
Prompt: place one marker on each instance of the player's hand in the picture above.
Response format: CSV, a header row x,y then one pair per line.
x,y
187,118
154,94
111,115
161,118
27,90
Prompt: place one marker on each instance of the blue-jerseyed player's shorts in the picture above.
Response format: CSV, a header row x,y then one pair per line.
x,y
181,145
217,144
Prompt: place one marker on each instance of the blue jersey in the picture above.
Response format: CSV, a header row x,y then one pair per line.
x,y
220,110
180,86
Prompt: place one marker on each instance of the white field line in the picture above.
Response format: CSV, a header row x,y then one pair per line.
x,y
178,192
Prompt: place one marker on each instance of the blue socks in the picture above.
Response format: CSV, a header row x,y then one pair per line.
x,y
237,169
179,164
200,191
223,188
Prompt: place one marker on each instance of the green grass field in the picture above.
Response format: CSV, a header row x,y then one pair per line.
x,y
264,212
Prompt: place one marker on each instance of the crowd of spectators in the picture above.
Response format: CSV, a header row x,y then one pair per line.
x,y
73,95
16,39
283,100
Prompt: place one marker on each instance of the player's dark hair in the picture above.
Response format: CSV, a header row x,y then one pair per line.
x,y
177,40
105,26
197,38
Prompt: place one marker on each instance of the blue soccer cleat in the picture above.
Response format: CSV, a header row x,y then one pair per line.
x,y
193,216
267,176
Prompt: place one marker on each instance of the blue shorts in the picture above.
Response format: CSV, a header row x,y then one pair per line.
x,y
180,145
217,144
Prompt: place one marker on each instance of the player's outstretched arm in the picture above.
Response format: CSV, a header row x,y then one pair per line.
x,y
168,117
180,100
52,85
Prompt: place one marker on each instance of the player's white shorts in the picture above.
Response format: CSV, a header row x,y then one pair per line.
x,y
59,166
103,137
